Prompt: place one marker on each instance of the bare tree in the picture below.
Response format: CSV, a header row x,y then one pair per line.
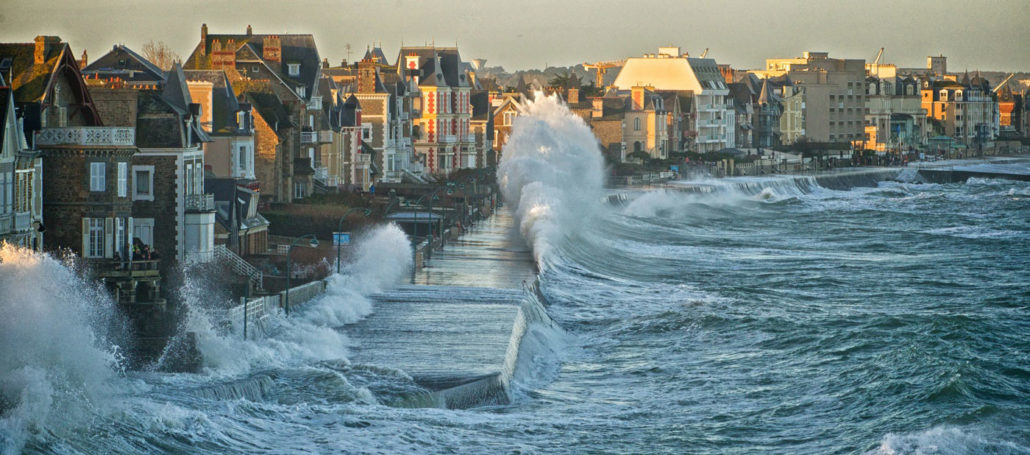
x,y
160,54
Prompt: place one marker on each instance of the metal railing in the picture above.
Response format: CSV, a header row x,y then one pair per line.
x,y
239,266
87,135
308,137
200,202
22,221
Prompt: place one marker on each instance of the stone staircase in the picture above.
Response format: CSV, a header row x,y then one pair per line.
x,y
240,266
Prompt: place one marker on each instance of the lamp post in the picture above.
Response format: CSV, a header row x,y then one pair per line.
x,y
246,301
339,228
313,244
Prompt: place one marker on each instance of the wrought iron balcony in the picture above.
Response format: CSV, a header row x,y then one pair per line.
x,y
101,136
200,202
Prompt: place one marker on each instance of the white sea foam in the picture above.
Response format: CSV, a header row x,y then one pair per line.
x,y
551,170
942,440
57,364
382,259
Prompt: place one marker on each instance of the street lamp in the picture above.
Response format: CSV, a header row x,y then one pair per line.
x,y
313,244
339,228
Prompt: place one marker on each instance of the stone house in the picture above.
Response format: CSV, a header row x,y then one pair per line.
x,y
287,66
227,121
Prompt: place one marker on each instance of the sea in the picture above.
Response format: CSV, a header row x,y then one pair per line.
x,y
835,314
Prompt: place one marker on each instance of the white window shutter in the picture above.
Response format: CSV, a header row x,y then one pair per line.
x,y
130,232
108,237
85,237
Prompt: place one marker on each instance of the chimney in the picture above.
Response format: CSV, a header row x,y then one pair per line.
x,y
272,48
367,76
44,44
84,62
325,63
250,31
573,96
203,39
638,98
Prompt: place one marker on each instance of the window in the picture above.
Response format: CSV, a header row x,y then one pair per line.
x,y
6,191
298,190
119,236
294,69
301,91
311,120
636,124
143,229
189,178
95,247
366,132
143,186
243,161
123,179
96,176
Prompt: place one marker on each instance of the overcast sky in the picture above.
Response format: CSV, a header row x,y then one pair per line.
x,y
973,34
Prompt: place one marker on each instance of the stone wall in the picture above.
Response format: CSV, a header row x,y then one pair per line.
x,y
267,157
117,107
163,208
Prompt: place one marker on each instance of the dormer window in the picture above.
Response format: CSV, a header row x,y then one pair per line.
x,y
293,69
301,91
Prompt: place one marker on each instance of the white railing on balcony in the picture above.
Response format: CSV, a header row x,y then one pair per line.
x,y
87,135
308,137
5,223
200,202
325,136
448,139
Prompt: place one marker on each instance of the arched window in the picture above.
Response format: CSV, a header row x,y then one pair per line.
x,y
637,147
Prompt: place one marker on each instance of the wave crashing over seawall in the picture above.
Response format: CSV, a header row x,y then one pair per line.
x,y
551,171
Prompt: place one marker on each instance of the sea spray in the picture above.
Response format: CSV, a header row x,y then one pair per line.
x,y
57,364
551,171
382,258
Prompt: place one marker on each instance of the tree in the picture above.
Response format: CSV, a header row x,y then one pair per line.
x,y
160,54
560,81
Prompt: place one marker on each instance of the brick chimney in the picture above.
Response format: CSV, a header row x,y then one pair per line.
x,y
573,96
250,31
638,98
84,61
367,76
598,108
203,39
272,48
44,44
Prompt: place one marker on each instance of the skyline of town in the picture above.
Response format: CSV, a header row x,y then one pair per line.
x,y
526,39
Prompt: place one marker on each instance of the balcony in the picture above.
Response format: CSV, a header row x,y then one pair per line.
x,y
95,136
315,103
448,139
308,137
325,137
6,224
200,202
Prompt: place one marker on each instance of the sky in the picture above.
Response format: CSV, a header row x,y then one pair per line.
x,y
525,34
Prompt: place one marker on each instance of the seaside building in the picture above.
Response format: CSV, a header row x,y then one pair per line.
x,y
21,179
710,119
894,117
229,124
288,68
442,115
964,110
824,100
125,65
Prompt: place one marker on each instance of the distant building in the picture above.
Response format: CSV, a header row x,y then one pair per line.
x,y
128,67
711,117
443,140
825,100
965,110
894,118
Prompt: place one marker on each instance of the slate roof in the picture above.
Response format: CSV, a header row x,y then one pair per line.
x,y
125,64
294,48
480,101
224,104
5,99
28,80
438,66
271,109
377,54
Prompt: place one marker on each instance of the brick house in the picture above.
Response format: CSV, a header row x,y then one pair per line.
x,y
287,66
